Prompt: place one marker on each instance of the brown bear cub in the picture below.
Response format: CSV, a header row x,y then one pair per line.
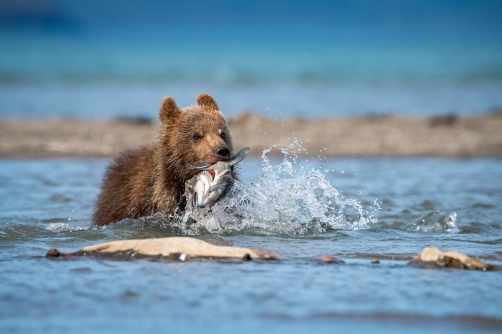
x,y
151,178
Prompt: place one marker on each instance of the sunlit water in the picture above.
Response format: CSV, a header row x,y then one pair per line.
x,y
353,209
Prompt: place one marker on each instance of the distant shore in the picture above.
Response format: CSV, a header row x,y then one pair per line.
x,y
370,136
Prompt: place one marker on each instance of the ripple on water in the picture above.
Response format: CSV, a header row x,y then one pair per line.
x,y
437,222
64,227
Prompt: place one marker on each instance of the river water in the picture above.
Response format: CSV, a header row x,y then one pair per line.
x,y
354,209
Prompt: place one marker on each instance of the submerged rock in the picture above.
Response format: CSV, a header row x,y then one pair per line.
x,y
431,257
60,199
53,253
329,259
174,248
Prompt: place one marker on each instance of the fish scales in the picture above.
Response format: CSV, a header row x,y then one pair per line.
x,y
213,182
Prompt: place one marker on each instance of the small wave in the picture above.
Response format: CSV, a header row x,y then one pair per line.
x,y
64,227
437,222
289,198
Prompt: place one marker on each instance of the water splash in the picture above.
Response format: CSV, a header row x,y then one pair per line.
x,y
289,198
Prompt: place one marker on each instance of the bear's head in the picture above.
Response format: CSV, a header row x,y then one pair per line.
x,y
194,134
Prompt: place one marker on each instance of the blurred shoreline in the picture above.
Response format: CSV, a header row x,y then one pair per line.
x,y
446,136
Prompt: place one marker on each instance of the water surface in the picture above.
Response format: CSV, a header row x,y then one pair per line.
x,y
281,58
393,208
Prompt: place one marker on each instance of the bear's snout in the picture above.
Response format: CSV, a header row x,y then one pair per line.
x,y
222,151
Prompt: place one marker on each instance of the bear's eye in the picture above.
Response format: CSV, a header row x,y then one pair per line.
x,y
223,136
196,137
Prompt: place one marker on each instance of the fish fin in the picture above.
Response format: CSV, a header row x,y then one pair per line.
x,y
239,156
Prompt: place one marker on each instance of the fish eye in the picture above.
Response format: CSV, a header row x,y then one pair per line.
x,y
196,137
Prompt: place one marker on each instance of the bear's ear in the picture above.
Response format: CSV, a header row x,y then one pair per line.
x,y
168,110
207,102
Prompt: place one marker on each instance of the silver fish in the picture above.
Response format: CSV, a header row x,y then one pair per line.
x,y
205,188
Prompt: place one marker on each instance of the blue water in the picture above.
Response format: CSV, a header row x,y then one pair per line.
x,y
283,59
450,204
88,79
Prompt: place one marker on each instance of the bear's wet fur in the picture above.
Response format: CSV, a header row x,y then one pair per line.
x,y
151,178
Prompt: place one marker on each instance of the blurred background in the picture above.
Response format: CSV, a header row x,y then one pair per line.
x,y
99,59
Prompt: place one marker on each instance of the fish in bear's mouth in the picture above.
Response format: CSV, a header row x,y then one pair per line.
x,y
213,182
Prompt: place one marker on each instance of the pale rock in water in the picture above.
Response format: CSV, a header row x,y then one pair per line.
x,y
431,257
173,248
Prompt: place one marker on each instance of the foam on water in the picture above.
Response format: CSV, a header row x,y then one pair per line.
x,y
289,198
64,227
